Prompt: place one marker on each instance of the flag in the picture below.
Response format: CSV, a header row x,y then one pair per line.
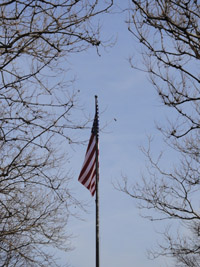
x,y
88,173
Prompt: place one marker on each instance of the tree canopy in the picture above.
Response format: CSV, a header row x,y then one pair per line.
x,y
36,104
169,34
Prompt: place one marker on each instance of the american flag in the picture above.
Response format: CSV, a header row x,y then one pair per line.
x,y
88,174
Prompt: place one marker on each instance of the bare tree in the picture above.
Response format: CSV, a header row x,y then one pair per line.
x,y
169,34
36,37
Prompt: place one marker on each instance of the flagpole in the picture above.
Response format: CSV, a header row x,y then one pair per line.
x,y
97,189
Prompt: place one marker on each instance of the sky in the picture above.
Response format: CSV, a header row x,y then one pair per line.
x,y
129,108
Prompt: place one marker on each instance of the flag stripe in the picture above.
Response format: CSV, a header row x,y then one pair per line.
x,y
92,181
88,158
87,175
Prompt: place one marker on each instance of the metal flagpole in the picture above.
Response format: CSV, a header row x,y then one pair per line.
x,y
97,186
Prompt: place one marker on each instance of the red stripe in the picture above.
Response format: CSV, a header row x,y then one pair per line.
x,y
89,177
89,174
87,163
92,180
90,142
93,184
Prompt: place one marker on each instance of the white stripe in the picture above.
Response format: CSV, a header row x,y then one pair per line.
x,y
90,178
88,154
88,168
89,151
93,189
93,184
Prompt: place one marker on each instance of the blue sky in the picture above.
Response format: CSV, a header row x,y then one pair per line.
x,y
126,95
